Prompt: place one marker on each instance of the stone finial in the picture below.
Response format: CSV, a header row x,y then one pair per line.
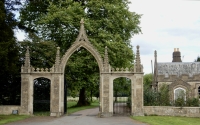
x,y
27,66
82,35
27,58
106,61
57,61
138,66
155,54
154,84
82,21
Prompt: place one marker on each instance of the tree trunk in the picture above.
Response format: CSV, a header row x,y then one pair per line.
x,y
82,98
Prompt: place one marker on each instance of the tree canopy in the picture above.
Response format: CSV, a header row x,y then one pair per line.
x,y
9,54
148,79
107,23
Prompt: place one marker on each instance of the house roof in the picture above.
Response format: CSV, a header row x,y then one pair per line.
x,y
178,68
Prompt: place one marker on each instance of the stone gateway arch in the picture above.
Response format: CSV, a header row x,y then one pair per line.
x,y
56,76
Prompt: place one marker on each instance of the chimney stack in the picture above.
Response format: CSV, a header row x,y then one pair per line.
x,y
176,55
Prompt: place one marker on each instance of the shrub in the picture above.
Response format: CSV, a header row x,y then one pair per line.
x,y
156,98
179,102
193,102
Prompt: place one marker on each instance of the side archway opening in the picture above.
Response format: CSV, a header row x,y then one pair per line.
x,y
122,96
41,96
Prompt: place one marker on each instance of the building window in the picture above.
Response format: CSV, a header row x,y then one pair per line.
x,y
179,93
199,91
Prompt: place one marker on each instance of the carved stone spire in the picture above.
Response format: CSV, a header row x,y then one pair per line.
x,y
27,58
106,61
138,66
82,34
154,84
27,65
57,61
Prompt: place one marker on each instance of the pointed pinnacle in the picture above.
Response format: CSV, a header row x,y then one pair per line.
x,y
82,21
155,53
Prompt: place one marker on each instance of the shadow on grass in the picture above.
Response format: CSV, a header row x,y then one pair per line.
x,y
75,108
71,108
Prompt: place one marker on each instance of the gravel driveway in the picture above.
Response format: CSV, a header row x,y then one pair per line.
x,y
84,117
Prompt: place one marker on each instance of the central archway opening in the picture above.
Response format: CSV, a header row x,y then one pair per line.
x,y
122,96
82,80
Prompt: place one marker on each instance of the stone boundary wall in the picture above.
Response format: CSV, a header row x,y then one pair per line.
x,y
8,109
172,111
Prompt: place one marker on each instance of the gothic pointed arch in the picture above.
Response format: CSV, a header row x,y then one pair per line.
x,y
177,83
81,41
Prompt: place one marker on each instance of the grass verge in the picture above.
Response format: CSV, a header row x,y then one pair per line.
x,y
42,113
11,118
73,108
167,120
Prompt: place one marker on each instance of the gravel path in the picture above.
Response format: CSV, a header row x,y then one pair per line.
x,y
84,117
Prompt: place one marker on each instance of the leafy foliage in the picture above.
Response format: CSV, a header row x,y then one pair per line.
x,y
42,53
156,98
147,79
121,87
193,102
108,23
82,72
179,102
9,54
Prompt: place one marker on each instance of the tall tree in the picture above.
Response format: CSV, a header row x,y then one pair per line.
x,y
108,23
42,53
9,54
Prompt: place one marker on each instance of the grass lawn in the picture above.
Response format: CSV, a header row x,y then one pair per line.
x,y
11,118
167,120
71,106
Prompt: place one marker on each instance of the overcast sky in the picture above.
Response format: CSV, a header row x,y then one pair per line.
x,y
166,24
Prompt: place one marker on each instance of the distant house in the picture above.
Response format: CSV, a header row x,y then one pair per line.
x,y
183,78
